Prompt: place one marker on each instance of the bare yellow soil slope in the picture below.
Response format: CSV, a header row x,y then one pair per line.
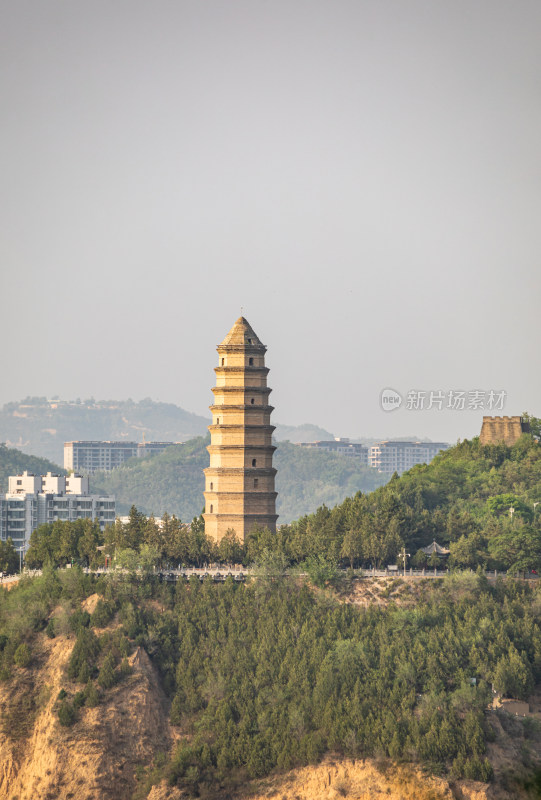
x,y
345,779
98,756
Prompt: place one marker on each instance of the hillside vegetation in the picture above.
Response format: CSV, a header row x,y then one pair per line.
x,y
463,499
259,677
173,481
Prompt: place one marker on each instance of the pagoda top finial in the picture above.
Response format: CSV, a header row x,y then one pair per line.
x,y
242,333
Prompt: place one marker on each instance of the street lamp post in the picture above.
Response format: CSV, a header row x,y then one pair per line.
x,y
404,555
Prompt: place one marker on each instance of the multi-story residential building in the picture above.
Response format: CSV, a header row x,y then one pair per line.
x,y
90,456
343,446
33,500
400,456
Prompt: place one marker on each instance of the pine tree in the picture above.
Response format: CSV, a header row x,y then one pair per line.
x,y
107,676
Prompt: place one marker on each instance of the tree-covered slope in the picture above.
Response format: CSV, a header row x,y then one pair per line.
x,y
13,462
260,677
483,503
173,481
307,478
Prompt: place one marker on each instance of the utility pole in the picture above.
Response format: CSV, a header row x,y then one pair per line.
x,y
404,554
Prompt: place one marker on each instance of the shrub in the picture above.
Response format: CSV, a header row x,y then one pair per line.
x,y
125,668
22,656
66,714
107,676
103,614
92,697
85,650
79,619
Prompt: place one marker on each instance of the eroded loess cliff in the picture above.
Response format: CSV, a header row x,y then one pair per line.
x,y
97,757
345,779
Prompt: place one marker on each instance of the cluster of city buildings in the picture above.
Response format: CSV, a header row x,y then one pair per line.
x,y
33,500
386,456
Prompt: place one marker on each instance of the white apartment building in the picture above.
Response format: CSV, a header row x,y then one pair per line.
x,y
400,456
94,456
33,500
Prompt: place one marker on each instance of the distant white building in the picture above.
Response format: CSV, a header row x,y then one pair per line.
x,y
33,500
400,456
94,456
342,446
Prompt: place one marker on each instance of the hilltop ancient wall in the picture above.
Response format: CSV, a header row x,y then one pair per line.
x,y
506,430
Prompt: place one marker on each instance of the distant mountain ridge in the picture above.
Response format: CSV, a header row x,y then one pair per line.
x,y
39,426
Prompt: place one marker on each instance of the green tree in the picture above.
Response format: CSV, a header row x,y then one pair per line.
x,y
517,549
107,675
66,714
89,540
502,503
512,675
352,546
534,423
85,650
9,558
321,570
135,527
230,550
468,551
92,697
176,537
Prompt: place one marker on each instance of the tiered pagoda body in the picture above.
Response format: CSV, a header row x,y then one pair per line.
x,y
239,483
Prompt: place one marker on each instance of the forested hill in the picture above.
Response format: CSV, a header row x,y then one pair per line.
x,y
13,462
40,426
483,503
173,481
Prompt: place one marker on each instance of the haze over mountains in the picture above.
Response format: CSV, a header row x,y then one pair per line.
x,y
40,426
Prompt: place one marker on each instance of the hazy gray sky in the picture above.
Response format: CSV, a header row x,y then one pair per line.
x,y
363,178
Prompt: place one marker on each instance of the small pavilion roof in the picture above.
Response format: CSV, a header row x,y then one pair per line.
x,y
435,548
